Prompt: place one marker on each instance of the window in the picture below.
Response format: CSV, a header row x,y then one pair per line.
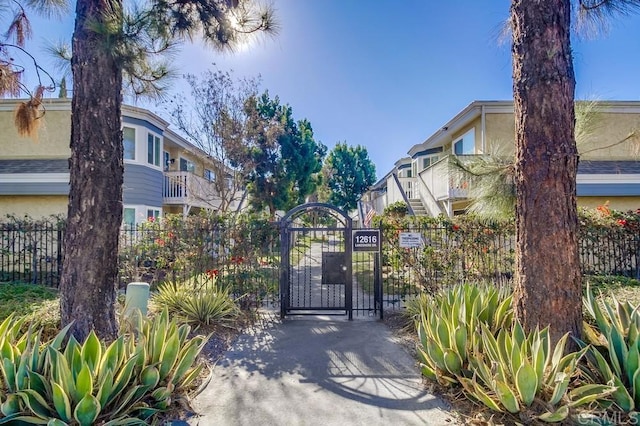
x,y
186,165
166,160
153,149
429,161
209,175
152,214
129,142
129,217
466,144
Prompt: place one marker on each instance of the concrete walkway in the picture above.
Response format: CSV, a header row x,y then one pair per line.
x,y
318,371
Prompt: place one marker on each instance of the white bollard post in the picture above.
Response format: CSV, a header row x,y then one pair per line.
x,y
137,297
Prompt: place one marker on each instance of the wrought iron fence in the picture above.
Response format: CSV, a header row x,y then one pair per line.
x,y
31,252
246,255
452,254
243,257
610,251
447,254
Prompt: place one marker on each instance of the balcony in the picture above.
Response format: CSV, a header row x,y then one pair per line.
x,y
187,189
443,181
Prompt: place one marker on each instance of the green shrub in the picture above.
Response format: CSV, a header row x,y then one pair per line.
x,y
397,209
614,354
521,373
127,382
413,308
449,324
198,301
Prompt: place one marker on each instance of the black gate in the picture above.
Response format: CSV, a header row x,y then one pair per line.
x,y
317,274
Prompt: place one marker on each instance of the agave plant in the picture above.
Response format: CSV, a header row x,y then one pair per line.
x,y
124,383
614,356
198,301
515,369
449,324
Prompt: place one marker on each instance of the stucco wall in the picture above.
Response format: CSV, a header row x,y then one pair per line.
x,y
615,203
37,206
500,130
608,129
53,136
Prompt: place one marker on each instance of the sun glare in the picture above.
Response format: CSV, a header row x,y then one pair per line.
x,y
245,38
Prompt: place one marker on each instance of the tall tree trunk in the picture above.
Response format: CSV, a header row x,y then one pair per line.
x,y
547,280
89,270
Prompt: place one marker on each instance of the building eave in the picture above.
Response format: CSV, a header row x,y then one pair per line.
x,y
462,119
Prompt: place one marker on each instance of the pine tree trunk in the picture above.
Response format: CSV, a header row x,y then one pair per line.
x,y
547,280
89,271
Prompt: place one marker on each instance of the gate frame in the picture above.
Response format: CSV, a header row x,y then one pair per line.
x,y
285,265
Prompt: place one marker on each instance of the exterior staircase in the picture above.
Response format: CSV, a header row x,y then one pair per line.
x,y
417,207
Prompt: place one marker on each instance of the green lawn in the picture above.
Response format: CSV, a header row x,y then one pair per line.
x,y
23,299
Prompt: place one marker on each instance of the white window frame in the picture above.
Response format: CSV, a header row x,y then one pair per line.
x,y
468,142
131,210
429,160
156,149
153,213
141,213
124,143
188,163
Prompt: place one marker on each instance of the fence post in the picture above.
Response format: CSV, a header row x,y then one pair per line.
x,y
378,294
59,254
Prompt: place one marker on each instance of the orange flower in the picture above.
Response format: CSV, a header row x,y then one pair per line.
x,y
604,209
160,242
455,227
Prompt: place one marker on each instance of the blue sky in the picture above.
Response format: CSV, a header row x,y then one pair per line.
x,y
386,75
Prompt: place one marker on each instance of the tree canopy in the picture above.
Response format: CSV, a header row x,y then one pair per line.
x,y
279,156
349,173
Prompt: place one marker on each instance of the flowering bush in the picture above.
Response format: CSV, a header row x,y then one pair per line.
x,y
452,250
610,241
240,252
469,248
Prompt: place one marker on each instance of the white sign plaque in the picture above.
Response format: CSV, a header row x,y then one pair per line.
x,y
411,240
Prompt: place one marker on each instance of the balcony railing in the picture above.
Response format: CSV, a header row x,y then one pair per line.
x,y
185,188
443,181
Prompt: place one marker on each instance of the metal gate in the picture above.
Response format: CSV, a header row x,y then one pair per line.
x,y
317,274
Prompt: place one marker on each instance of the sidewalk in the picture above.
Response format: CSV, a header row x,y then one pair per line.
x,y
318,371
